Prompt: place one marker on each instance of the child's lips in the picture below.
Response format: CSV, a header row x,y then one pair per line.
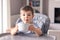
x,y
26,19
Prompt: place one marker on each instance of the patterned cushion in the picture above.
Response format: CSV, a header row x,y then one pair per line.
x,y
41,20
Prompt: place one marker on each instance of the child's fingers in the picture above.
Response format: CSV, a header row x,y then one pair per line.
x,y
38,31
14,31
31,28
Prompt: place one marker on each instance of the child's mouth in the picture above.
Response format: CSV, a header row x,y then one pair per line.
x,y
26,19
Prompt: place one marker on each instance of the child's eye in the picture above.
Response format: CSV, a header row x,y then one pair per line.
x,y
23,14
29,15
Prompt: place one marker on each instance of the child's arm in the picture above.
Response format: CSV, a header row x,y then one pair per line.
x,y
14,30
37,31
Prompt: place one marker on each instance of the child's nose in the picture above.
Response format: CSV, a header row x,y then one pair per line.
x,y
26,16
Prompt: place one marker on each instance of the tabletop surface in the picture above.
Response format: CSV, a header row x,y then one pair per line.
x,y
25,37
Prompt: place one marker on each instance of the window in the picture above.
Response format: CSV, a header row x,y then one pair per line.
x,y
4,15
0,16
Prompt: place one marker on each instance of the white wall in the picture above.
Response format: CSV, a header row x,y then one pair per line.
x,y
0,16
14,19
51,6
16,5
5,15
45,6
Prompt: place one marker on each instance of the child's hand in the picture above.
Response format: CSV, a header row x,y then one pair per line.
x,y
31,28
37,31
8,30
13,31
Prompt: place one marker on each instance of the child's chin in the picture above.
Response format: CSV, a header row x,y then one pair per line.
x,y
26,22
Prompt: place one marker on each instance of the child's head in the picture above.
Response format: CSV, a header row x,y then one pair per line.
x,y
26,14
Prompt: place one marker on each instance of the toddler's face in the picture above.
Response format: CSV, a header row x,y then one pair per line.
x,y
26,16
